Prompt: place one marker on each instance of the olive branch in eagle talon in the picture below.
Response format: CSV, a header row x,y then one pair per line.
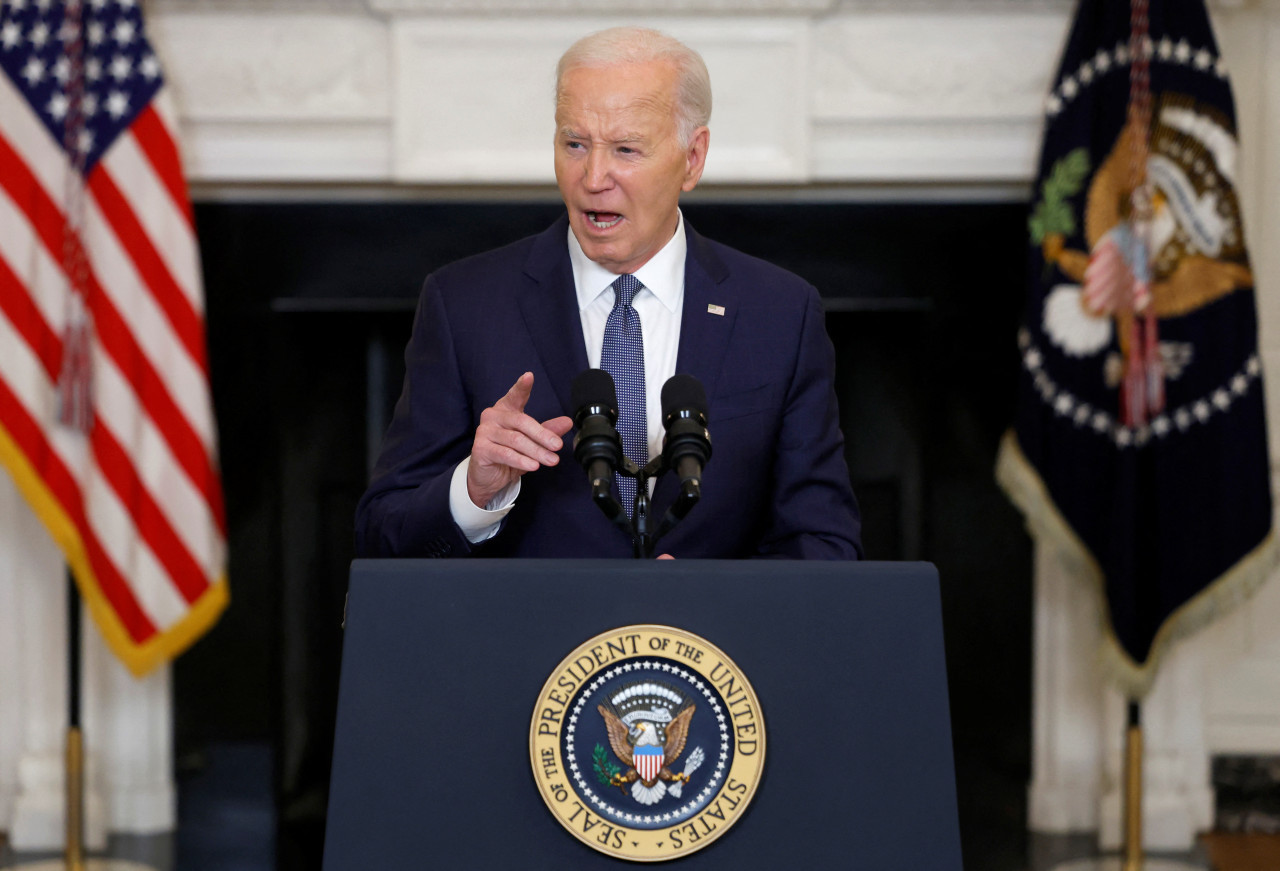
x,y
606,770
624,743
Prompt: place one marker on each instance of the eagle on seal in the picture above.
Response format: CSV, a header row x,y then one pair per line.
x,y
642,748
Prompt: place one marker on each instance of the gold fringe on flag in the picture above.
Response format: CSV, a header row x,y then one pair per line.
x,y
1024,487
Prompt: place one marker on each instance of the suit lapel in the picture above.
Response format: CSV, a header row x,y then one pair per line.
x,y
550,310
704,334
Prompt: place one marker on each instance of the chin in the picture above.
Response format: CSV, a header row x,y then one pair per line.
x,y
604,255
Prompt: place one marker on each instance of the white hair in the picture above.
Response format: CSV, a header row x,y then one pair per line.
x,y
637,45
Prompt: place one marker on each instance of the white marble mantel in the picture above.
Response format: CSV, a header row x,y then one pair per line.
x,y
403,91
813,98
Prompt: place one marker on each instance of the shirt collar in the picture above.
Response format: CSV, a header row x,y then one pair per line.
x,y
663,274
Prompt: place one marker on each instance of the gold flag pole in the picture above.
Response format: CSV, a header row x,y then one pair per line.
x,y
1133,790
1133,857
74,855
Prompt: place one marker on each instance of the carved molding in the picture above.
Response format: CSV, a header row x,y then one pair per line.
x,y
287,152
939,67
925,151
454,125
275,67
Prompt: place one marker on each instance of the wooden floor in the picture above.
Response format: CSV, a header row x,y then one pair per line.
x,y
1231,852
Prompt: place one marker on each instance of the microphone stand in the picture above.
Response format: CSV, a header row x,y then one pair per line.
x,y
642,538
640,527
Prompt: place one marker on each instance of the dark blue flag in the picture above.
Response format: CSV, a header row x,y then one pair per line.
x,y
1140,450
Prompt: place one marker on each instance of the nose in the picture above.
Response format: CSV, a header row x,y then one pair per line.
x,y
596,172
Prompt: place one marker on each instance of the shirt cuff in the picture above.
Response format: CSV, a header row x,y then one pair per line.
x,y
478,524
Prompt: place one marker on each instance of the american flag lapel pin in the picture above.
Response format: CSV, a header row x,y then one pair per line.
x,y
714,309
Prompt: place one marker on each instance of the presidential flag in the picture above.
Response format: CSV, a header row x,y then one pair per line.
x,y
1140,451
106,424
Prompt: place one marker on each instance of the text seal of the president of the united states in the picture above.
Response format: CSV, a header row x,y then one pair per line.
x,y
647,743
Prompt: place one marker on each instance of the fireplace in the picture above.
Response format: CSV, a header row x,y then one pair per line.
x,y
309,307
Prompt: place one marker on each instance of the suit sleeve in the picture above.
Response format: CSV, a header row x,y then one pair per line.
x,y
405,511
814,513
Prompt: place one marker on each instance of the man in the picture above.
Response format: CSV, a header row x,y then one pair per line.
x,y
473,464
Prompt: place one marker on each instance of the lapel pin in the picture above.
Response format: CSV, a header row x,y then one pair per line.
x,y
714,309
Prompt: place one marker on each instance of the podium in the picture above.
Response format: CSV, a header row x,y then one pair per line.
x,y
443,662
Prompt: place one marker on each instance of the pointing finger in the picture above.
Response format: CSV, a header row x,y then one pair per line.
x,y
518,395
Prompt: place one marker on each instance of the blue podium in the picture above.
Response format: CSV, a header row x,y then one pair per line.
x,y
443,663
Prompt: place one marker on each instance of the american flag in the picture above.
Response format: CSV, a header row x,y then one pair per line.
x,y
102,325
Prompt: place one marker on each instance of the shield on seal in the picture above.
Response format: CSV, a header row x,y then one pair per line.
x,y
648,762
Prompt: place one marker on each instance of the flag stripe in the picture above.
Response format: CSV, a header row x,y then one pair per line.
x,y
185,515
151,268
27,434
27,322
165,225
118,340
152,394
31,148
31,265
128,552
151,332
118,470
162,151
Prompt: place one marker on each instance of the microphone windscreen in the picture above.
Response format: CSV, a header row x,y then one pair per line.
x,y
683,392
593,387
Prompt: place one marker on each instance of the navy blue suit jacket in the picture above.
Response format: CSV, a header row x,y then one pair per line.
x,y
776,483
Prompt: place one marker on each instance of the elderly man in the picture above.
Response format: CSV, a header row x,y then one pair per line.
x,y
474,464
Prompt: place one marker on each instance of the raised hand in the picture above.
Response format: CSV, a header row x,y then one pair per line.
x,y
509,443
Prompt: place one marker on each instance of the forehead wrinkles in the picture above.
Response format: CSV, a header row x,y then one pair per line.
x,y
647,117
632,97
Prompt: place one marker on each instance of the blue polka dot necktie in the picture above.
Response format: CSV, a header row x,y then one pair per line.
x,y
622,356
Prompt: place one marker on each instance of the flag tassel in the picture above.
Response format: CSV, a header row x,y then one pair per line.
x,y
75,379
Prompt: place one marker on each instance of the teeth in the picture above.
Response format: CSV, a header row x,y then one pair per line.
x,y
602,225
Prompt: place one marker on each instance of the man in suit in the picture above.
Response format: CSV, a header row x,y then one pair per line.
x,y
474,464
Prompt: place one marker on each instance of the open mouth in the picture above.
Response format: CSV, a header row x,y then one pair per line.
x,y
603,220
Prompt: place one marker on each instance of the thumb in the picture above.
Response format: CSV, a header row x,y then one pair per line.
x,y
559,425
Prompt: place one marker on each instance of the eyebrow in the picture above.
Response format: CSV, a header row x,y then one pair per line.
x,y
570,133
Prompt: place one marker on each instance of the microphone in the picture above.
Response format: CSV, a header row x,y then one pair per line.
x,y
687,445
597,447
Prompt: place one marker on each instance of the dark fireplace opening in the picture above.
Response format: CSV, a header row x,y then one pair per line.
x,y
309,306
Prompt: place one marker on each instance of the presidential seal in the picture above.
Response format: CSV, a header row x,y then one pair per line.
x,y
647,743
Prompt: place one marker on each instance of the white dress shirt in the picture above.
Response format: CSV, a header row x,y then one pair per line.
x,y
659,305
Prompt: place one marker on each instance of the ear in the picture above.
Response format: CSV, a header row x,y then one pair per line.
x,y
695,158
